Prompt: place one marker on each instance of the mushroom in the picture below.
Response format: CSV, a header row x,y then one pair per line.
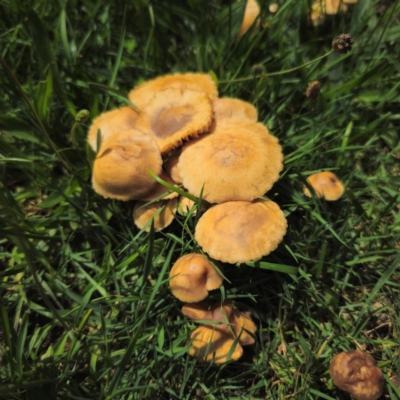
x,y
143,94
240,160
217,340
174,115
192,277
185,205
143,213
241,231
171,166
326,185
356,373
210,343
121,164
251,12
110,122
234,108
160,190
320,8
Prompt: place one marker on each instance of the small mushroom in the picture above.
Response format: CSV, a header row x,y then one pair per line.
x,y
174,115
251,12
143,213
356,373
320,8
192,277
226,107
160,190
326,185
241,231
143,94
240,160
216,341
121,164
111,122
171,167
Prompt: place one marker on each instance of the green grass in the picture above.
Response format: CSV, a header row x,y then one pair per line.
x,y
86,311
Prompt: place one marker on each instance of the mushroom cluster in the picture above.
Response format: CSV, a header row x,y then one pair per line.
x,y
320,8
214,147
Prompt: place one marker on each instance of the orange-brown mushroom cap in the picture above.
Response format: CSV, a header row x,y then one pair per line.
x,y
320,8
172,169
143,94
251,12
142,214
120,167
110,122
174,115
356,373
241,231
211,343
326,185
234,108
232,321
192,277
240,160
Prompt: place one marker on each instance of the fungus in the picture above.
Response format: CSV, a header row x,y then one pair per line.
x,y
192,277
240,160
356,373
119,170
251,12
320,8
185,205
209,343
110,122
142,214
174,115
171,166
241,231
160,190
217,340
234,108
143,94
326,185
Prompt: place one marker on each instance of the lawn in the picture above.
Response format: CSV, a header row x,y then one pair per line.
x,y
85,308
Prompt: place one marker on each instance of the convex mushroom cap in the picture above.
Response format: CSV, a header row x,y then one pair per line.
x,y
121,164
226,107
143,213
240,160
241,231
356,373
110,122
174,115
215,341
326,185
144,93
192,277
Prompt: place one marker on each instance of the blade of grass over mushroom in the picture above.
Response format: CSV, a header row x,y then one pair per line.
x,y
286,269
172,187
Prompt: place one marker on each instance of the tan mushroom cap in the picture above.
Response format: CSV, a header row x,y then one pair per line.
x,y
234,108
111,122
211,343
241,231
160,189
120,167
232,321
143,213
185,205
251,12
326,185
144,93
173,116
356,373
171,167
320,8
192,277
240,160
